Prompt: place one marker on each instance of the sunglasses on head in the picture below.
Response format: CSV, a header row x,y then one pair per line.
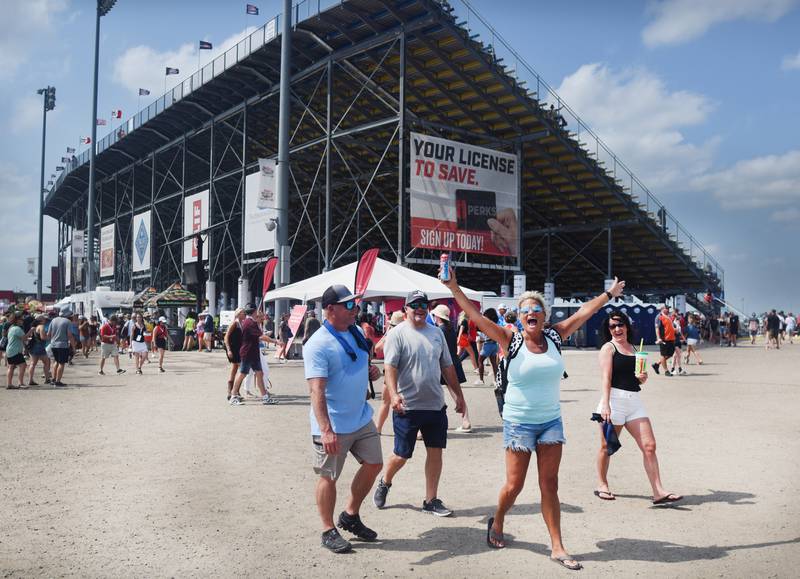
x,y
418,306
537,309
615,326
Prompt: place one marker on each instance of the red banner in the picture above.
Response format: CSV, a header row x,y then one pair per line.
x,y
295,319
364,270
269,271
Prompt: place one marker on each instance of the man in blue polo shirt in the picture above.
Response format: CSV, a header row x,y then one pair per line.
x,y
338,371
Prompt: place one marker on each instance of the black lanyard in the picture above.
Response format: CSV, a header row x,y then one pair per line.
x,y
361,341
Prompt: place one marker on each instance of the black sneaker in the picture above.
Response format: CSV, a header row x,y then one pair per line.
x,y
667,373
379,498
333,541
436,507
59,384
655,368
120,371
353,524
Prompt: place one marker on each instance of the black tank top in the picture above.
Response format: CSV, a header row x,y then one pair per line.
x,y
235,337
622,372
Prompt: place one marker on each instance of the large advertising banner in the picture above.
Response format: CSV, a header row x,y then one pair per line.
x,y
141,241
68,266
77,244
107,250
259,207
463,198
195,218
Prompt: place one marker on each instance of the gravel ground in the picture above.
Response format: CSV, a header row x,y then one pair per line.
x,y
156,476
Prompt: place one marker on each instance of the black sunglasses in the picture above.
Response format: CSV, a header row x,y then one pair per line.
x,y
418,305
614,326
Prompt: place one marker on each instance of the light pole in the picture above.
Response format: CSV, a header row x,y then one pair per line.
x,y
49,103
284,111
103,7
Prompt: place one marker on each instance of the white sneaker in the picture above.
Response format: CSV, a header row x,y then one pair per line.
x,y
478,382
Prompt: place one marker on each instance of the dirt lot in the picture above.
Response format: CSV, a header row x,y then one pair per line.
x,y
156,476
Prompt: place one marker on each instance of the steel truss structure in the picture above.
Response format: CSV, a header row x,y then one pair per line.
x,y
365,74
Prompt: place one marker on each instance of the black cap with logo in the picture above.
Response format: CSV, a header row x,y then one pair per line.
x,y
337,294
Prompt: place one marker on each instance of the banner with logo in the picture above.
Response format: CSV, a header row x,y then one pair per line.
x,y
77,244
463,198
259,207
107,250
195,218
68,266
295,319
141,241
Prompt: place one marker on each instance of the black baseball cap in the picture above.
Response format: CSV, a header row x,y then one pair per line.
x,y
249,309
416,296
337,294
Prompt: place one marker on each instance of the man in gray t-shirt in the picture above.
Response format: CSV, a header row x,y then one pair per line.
x,y
60,340
415,357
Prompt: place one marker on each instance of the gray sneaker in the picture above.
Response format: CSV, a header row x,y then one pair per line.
x,y
333,541
436,507
379,498
236,401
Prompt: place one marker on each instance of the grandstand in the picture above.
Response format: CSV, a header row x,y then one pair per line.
x,y
365,74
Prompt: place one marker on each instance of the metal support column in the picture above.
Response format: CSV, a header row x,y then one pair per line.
x,y
608,269
520,219
401,159
41,198
90,273
182,209
328,151
549,277
282,205
152,208
242,269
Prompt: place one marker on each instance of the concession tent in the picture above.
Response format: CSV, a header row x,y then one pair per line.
x,y
175,296
388,280
138,300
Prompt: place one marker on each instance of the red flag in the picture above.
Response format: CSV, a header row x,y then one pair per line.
x,y
269,271
117,114
86,140
364,270
295,319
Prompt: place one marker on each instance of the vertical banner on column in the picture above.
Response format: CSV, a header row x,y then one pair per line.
x,y
195,218
77,244
259,207
68,266
463,198
107,250
141,241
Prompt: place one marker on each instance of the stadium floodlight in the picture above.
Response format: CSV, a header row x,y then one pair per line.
x,y
103,8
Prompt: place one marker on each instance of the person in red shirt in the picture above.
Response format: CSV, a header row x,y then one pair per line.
x,y
250,355
160,336
665,338
109,346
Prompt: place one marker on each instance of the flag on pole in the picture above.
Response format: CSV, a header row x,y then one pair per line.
x,y
101,122
364,270
269,271
170,71
59,168
205,45
86,140
116,114
143,92
65,159
252,10
70,151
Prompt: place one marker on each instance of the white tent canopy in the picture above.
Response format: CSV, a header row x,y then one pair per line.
x,y
388,280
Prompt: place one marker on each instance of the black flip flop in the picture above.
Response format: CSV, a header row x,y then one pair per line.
x,y
668,498
490,534
563,562
610,496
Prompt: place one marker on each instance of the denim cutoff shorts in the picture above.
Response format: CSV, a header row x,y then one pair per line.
x,y
525,437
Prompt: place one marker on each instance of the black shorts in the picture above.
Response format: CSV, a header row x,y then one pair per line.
x,y
61,355
432,423
16,360
161,344
667,349
234,358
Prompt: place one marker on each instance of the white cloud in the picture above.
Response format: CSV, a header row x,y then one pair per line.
x,y
791,62
769,181
22,23
636,115
677,21
790,215
143,66
27,114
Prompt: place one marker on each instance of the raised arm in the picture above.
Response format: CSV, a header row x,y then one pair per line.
x,y
494,332
587,310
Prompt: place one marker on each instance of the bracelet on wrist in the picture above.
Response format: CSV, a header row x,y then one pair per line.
x,y
608,295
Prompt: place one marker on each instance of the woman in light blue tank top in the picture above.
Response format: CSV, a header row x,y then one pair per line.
x,y
532,412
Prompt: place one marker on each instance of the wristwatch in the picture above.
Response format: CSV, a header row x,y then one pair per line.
x,y
608,294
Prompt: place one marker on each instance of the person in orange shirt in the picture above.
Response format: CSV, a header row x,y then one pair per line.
x,y
665,338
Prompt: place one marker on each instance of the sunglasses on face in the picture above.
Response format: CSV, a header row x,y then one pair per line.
x,y
534,309
349,305
418,306
615,326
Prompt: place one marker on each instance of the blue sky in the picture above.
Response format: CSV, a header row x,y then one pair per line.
x,y
700,98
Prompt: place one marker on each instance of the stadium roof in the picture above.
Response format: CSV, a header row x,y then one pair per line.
x,y
457,85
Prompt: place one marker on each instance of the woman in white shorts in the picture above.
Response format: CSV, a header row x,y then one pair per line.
x,y
138,344
620,403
